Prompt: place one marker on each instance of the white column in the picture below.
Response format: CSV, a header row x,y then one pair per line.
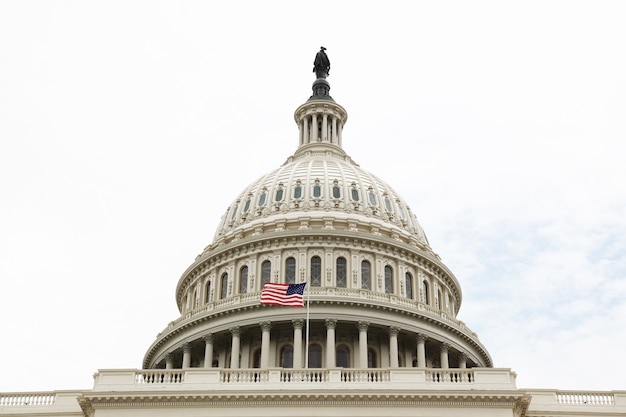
x,y
324,127
314,128
421,350
330,343
463,361
306,138
169,361
235,347
208,350
363,325
265,344
334,132
186,356
393,347
297,342
444,356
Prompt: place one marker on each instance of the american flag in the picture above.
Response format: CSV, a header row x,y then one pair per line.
x,y
283,294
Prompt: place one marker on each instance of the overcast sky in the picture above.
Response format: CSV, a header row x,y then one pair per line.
x,y
128,127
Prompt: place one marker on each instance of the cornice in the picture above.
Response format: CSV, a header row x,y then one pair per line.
x,y
516,400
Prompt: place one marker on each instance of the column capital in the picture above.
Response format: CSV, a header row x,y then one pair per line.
x,y
265,325
208,338
463,356
297,323
393,331
235,331
187,347
331,323
363,325
421,338
445,347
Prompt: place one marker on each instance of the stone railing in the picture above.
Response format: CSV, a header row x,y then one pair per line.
x,y
581,398
23,399
322,378
324,292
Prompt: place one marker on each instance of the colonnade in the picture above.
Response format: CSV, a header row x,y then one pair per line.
x,y
320,127
298,363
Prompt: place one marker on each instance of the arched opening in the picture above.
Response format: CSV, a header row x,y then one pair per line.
x,y
290,271
286,356
266,272
243,280
316,271
224,286
341,272
366,275
388,280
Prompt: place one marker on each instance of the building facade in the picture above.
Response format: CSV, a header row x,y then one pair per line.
x,y
379,333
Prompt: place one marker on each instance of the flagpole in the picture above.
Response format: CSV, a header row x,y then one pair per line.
x,y
306,348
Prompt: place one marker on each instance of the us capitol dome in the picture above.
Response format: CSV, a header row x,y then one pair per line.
x,y
377,295
378,333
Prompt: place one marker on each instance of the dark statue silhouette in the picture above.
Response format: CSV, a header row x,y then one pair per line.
x,y
321,65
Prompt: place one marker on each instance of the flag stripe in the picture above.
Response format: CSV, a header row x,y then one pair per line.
x,y
290,295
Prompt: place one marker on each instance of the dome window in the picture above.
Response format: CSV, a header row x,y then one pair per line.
x,y
234,215
243,280
388,280
290,270
401,210
355,194
262,198
388,204
408,283
297,192
266,272
372,198
317,189
341,272
366,275
280,192
336,190
246,206
316,271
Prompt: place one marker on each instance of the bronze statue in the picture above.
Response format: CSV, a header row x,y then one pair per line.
x,y
321,65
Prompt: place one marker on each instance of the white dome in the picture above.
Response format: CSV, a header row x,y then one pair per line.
x,y
321,181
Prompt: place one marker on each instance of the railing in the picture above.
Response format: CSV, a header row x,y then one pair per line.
x,y
242,376
582,398
160,377
374,375
11,400
455,376
357,294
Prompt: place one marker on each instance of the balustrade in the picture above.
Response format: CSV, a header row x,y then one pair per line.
x,y
12,400
581,398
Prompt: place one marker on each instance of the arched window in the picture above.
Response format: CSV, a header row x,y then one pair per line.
x,y
425,292
224,286
286,356
341,272
207,296
343,356
388,279
243,280
266,272
408,283
336,191
366,275
316,271
290,271
372,358
439,300
315,356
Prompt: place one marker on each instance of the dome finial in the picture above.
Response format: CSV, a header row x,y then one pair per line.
x,y
321,65
321,68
